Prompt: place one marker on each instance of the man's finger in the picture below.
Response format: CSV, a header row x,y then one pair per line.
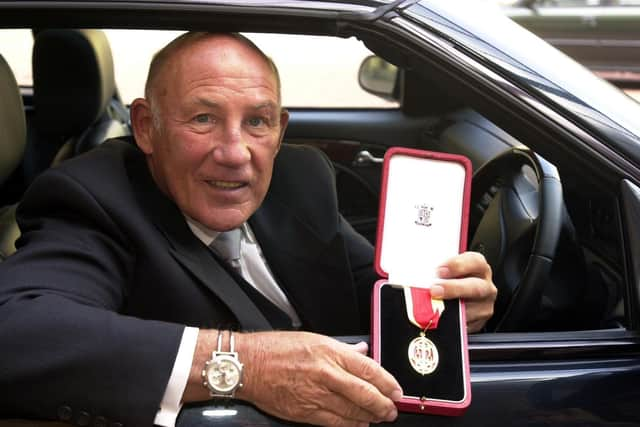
x,y
361,347
370,371
362,394
366,384
465,264
475,326
471,288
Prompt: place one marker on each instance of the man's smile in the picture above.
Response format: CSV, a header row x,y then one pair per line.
x,y
226,185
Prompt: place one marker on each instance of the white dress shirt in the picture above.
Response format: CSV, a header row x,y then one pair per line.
x,y
254,269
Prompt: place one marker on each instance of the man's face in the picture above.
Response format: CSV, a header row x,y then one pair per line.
x,y
220,128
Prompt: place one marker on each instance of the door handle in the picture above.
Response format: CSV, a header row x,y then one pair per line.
x,y
365,158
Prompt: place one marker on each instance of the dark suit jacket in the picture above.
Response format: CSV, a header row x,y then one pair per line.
x,y
92,306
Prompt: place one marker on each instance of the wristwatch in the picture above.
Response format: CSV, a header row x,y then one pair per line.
x,y
222,375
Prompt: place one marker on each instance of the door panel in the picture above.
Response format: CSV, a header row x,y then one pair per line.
x,y
356,140
357,183
344,136
568,382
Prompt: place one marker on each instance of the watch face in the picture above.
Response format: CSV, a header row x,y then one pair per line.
x,y
223,374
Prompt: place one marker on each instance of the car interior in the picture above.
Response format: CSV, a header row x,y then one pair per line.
x,y
550,229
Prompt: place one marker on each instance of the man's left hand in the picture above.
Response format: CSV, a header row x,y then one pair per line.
x,y
468,276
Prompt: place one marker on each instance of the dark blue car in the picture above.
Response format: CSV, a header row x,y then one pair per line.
x,y
555,151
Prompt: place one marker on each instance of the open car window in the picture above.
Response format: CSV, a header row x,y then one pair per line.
x,y
16,46
322,74
355,128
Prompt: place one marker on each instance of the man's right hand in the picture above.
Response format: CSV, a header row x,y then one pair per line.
x,y
315,379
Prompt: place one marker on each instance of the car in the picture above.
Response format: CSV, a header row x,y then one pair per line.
x,y
555,153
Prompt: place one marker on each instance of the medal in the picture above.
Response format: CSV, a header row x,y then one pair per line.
x,y
423,355
424,312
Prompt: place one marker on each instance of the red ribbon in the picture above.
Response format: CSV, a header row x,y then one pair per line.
x,y
424,313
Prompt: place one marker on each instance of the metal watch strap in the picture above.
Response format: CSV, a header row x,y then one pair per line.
x,y
231,358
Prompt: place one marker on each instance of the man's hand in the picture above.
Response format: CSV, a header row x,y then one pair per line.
x,y
468,276
315,379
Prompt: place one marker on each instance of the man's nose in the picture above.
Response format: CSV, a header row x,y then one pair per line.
x,y
233,149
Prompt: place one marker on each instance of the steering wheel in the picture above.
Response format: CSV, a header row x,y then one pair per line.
x,y
516,218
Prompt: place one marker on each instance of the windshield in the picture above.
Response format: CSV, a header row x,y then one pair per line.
x,y
482,27
569,3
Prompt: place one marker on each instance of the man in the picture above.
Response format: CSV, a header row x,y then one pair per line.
x,y
115,262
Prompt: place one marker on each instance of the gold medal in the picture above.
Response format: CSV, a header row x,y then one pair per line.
x,y
424,312
423,355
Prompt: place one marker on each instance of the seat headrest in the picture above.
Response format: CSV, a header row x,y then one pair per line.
x,y
12,122
73,79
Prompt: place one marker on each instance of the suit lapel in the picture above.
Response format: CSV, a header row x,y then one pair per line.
x,y
310,268
192,254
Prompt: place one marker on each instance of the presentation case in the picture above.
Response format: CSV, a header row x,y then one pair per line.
x,y
422,222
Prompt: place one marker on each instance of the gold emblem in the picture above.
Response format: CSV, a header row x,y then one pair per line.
x,y
423,355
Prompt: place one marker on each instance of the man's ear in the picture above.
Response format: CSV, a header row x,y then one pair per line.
x,y
284,121
142,124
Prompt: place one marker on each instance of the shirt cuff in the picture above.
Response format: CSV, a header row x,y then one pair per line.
x,y
172,399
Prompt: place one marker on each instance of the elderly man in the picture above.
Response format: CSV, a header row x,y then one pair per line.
x,y
120,301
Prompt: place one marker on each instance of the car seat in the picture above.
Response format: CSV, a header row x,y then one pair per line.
x,y
12,145
76,107
76,104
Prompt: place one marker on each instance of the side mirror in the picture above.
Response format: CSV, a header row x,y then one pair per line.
x,y
379,77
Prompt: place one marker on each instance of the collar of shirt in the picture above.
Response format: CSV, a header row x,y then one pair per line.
x,y
207,235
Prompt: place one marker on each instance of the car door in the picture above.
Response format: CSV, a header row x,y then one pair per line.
x,y
558,376
554,377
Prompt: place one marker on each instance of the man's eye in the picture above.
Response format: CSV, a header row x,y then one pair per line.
x,y
202,118
256,121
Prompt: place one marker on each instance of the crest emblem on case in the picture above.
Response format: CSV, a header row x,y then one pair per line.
x,y
424,215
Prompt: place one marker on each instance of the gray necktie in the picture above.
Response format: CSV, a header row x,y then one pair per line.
x,y
227,245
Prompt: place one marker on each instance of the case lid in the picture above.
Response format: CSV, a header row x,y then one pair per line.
x,y
423,214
